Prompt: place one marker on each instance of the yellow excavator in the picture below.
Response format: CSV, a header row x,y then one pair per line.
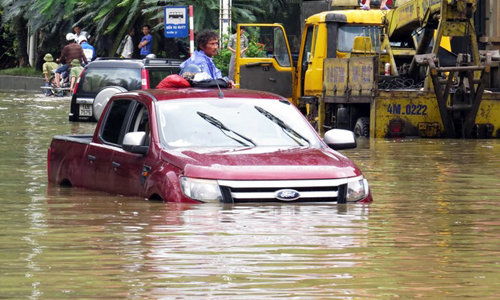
x,y
414,70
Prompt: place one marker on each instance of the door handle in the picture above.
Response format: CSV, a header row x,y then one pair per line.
x,y
115,164
272,79
256,64
91,157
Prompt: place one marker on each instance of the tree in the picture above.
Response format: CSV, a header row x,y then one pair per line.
x,y
14,12
105,19
19,15
110,20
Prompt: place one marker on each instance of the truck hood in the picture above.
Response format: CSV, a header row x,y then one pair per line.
x,y
261,163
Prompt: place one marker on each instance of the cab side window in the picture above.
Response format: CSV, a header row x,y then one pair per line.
x,y
140,121
114,123
307,54
280,48
308,46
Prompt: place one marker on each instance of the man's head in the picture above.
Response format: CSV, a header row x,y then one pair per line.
x,y
208,42
242,30
75,63
48,57
132,32
77,30
70,37
146,29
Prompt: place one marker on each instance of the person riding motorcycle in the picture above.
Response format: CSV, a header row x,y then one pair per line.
x,y
70,52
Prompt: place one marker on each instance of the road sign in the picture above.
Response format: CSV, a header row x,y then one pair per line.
x,y
176,21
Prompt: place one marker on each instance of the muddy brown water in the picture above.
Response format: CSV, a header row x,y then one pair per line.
x,y
433,231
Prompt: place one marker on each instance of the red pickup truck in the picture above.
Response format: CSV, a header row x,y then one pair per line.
x,y
206,145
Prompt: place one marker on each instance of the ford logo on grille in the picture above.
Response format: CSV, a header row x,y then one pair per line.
x,y
287,195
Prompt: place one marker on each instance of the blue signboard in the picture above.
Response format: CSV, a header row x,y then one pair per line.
x,y
176,21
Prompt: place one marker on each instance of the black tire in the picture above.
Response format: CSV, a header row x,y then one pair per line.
x,y
362,127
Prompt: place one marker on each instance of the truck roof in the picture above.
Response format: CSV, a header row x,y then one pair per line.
x,y
351,16
114,62
173,94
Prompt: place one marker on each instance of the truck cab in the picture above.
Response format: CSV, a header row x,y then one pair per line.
x,y
384,73
352,34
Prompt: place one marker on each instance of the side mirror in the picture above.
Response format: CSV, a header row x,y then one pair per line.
x,y
339,139
134,142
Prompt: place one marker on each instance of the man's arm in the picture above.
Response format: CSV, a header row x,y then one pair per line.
x,y
45,71
230,45
147,39
62,57
73,79
245,44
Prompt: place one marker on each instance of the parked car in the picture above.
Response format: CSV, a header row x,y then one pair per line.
x,y
104,77
208,145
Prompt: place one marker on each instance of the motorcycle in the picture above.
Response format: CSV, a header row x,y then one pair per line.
x,y
51,89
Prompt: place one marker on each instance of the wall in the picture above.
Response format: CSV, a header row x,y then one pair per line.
x,y
21,83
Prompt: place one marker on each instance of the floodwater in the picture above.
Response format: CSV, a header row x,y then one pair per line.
x,y
433,231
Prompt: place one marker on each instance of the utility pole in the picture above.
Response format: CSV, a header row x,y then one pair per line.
x,y
224,18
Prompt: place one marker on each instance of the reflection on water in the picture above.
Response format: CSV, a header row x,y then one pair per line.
x,y
433,231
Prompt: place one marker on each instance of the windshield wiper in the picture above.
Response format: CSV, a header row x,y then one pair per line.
x,y
286,128
223,129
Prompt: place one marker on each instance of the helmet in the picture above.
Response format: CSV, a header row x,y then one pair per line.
x,y
193,73
151,56
192,68
81,39
70,37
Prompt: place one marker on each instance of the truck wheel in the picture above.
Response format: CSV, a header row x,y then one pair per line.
x,y
102,98
362,127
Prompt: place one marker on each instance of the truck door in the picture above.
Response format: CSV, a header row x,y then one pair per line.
x,y
310,80
130,167
267,63
110,138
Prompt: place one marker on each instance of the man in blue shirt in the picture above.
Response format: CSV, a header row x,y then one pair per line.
x,y
207,43
88,49
146,41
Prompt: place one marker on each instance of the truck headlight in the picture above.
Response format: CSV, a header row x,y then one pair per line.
x,y
357,189
201,189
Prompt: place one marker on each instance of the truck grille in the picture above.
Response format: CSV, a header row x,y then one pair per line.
x,y
326,190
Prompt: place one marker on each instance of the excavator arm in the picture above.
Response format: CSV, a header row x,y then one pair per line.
x,y
459,88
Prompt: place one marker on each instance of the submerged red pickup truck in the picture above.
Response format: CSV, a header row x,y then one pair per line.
x,y
205,145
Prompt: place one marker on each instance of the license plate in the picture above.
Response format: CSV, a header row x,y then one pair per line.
x,y
86,110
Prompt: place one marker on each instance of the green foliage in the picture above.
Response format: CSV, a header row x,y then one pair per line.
x,y
223,58
27,71
111,20
255,49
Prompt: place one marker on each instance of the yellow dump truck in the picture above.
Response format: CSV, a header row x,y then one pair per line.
x,y
414,70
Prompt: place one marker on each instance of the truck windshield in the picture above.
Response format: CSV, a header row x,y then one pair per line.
x,y
232,123
347,33
97,78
